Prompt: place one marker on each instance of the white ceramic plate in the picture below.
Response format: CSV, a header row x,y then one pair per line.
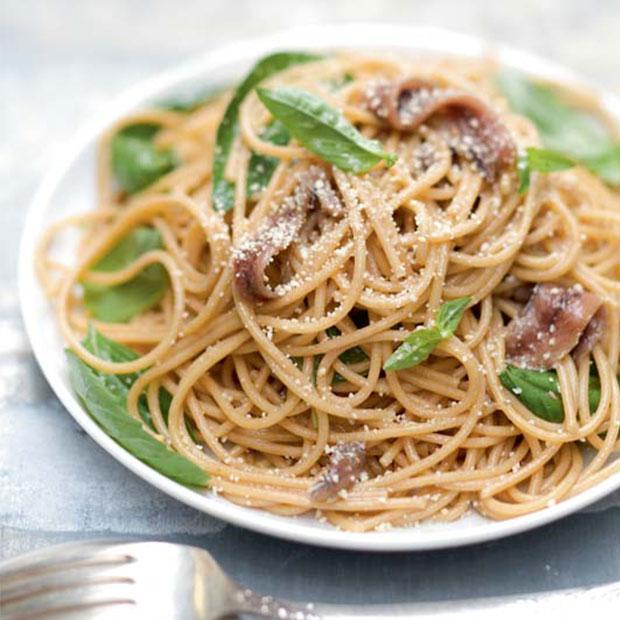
x,y
69,189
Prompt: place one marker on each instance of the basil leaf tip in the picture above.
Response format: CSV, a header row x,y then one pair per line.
x,y
420,343
105,399
323,130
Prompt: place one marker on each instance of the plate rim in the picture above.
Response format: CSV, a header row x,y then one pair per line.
x,y
322,36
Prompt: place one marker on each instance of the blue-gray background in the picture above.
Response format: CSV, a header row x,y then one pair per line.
x,y
60,62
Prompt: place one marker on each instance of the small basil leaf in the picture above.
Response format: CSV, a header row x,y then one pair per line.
x,y
538,390
105,399
121,302
420,343
541,160
594,392
140,131
262,167
339,82
606,165
135,161
415,349
354,355
450,315
324,130
224,190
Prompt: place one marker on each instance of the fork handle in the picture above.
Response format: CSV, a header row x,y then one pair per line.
x,y
596,602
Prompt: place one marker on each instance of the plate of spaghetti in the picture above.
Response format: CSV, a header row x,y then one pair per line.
x,y
357,286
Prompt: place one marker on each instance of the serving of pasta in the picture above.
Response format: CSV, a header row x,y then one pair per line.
x,y
376,289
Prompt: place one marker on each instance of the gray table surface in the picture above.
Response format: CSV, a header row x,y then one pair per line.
x,y
60,62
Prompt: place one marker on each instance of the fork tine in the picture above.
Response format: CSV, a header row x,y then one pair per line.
x,y
64,581
59,555
76,597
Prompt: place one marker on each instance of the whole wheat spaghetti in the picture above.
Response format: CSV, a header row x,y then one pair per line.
x,y
266,395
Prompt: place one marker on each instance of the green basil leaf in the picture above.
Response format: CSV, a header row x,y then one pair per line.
x,y
524,174
606,165
111,351
335,84
450,315
262,167
324,130
420,343
135,161
121,302
415,349
354,355
541,160
224,190
563,127
538,390
594,392
570,131
105,399
544,160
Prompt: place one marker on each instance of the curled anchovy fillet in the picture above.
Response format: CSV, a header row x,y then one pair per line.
x,y
550,325
473,130
346,464
254,253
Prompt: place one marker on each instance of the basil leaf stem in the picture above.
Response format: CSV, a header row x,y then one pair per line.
x,y
323,130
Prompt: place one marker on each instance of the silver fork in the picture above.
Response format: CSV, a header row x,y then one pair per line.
x,y
155,580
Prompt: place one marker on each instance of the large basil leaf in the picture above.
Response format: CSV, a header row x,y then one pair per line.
x,y
121,302
105,399
223,190
135,161
262,167
420,343
573,132
324,130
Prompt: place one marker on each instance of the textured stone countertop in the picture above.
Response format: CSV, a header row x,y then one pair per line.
x,y
61,61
